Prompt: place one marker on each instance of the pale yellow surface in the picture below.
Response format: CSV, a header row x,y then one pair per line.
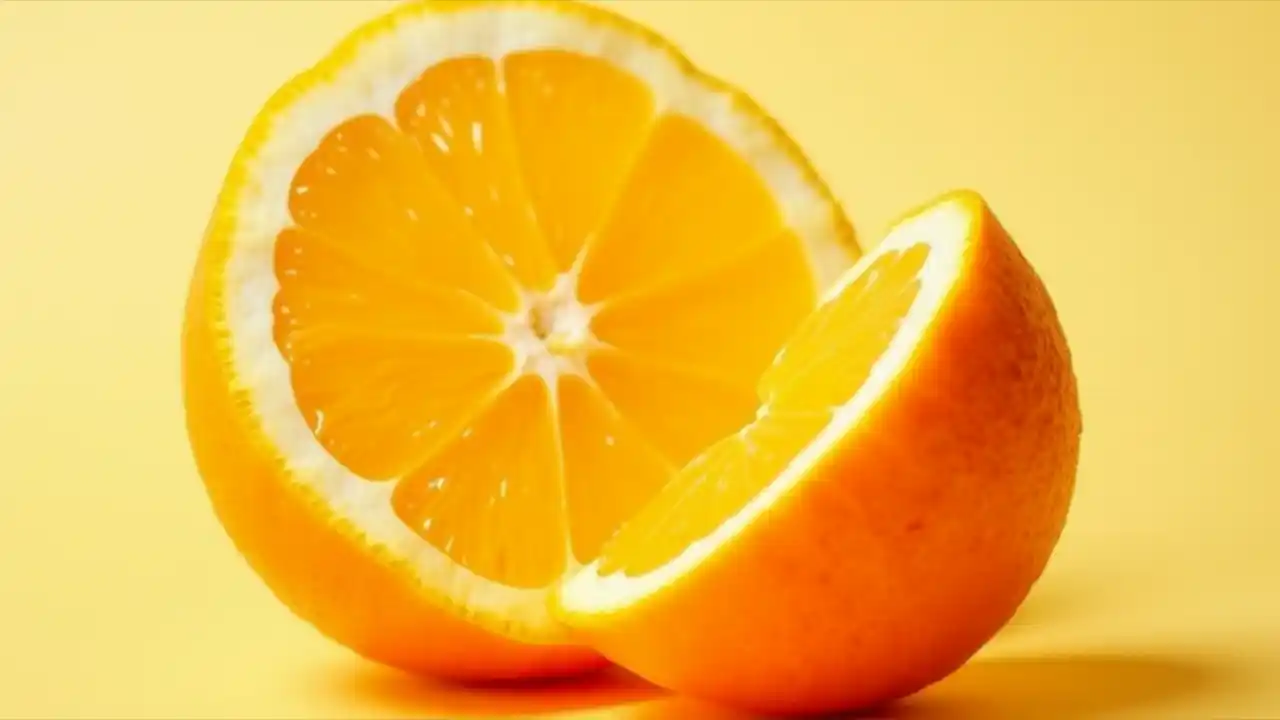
x,y
1133,149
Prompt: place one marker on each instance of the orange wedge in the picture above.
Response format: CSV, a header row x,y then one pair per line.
x,y
475,285
900,490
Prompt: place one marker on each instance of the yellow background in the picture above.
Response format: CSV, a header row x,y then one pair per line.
x,y
1133,149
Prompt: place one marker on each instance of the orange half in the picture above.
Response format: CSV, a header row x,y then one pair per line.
x,y
476,285
901,487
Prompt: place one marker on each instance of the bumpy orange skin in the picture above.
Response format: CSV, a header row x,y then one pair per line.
x,y
911,545
322,569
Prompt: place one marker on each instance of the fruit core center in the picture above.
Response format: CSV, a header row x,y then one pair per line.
x,y
552,333
561,324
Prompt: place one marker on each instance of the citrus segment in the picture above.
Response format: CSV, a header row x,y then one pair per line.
x,y
680,412
610,469
457,114
830,357
709,490
367,189
326,284
491,500
579,124
691,204
728,322
380,402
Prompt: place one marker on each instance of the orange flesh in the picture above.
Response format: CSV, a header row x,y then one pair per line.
x,y
819,369
414,243
501,478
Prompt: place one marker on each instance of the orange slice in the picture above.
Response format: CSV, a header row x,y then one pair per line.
x,y
900,490
475,284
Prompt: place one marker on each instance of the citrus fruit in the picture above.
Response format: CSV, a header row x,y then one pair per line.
x,y
475,284
902,487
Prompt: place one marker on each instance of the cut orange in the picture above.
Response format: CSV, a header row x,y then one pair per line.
x,y
900,490
474,286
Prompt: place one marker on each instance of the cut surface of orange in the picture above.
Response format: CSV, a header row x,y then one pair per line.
x,y
475,286
901,487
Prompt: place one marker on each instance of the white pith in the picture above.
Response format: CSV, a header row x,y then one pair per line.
x,y
385,63
551,332
944,229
